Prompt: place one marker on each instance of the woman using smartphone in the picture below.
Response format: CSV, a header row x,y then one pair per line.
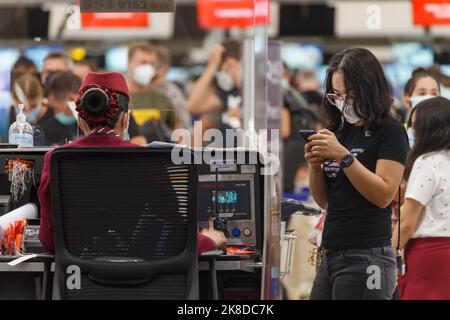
x,y
357,164
425,219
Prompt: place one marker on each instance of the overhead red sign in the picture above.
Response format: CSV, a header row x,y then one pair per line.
x,y
232,13
115,20
431,12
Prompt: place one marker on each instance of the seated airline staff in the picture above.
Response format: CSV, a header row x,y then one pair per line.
x,y
104,125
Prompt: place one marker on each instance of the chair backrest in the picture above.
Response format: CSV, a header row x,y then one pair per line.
x,y
125,221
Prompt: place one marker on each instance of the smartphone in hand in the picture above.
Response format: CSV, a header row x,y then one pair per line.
x,y
306,134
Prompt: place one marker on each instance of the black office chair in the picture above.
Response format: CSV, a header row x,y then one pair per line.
x,y
127,217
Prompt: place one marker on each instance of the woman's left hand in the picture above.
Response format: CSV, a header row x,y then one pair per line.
x,y
326,145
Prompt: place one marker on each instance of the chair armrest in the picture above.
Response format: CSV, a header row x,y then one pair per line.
x,y
211,257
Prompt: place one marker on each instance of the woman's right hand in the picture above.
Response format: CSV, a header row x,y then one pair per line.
x,y
314,161
216,55
218,237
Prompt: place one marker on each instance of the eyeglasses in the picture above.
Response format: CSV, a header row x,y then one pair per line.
x,y
333,98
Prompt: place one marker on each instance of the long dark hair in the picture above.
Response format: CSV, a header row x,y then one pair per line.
x,y
432,129
363,75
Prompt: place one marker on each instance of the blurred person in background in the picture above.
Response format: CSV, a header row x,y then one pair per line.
x,y
170,89
22,66
216,95
295,115
421,86
36,113
153,115
62,87
425,217
83,67
306,82
55,62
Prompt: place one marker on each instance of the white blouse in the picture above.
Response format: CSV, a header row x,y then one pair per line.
x,y
429,184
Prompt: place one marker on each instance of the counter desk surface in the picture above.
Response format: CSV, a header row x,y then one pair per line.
x,y
224,262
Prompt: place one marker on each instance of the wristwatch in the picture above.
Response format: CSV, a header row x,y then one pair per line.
x,y
347,161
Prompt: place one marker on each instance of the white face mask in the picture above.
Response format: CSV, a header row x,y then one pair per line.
x,y
285,84
347,111
418,99
225,81
126,134
143,74
411,136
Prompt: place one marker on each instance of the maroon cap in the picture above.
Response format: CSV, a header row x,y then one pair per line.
x,y
114,81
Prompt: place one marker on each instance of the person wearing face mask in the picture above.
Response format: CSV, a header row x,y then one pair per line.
x,y
170,89
228,75
356,166
55,62
306,82
103,115
21,67
216,95
62,88
421,86
424,228
28,90
295,115
153,115
104,124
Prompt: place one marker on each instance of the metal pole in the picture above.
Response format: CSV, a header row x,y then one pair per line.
x,y
248,78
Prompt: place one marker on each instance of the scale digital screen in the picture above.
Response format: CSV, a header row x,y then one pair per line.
x,y
229,199
226,203
225,197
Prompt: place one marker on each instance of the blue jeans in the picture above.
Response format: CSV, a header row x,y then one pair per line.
x,y
356,274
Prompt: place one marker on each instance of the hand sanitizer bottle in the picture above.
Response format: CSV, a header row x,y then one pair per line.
x,y
21,132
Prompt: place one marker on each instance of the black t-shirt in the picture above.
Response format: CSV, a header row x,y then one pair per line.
x,y
352,222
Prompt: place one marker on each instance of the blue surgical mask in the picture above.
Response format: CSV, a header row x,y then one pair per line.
x,y
411,136
65,119
126,135
33,115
